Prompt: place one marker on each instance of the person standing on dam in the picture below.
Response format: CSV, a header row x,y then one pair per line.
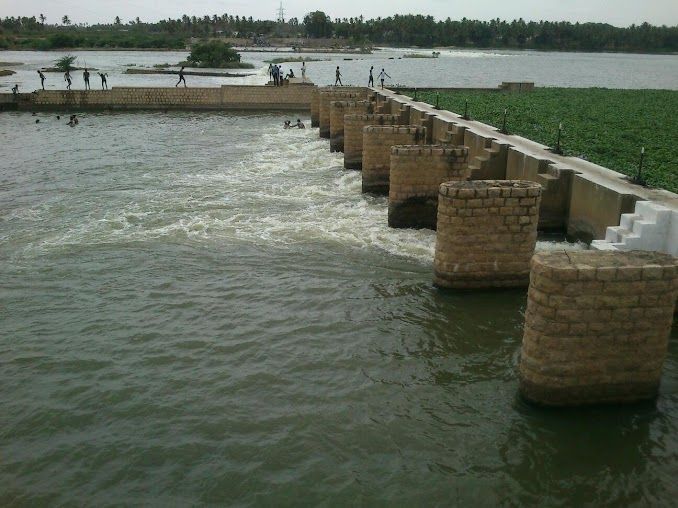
x,y
274,74
85,76
382,77
104,83
67,79
42,79
370,80
303,71
181,77
337,79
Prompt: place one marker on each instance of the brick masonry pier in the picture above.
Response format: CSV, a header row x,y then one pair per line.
x,y
338,94
597,326
338,111
487,231
353,135
377,143
415,176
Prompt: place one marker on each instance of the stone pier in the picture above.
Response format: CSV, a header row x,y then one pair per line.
x,y
326,97
597,326
487,232
415,177
338,110
377,143
315,107
353,135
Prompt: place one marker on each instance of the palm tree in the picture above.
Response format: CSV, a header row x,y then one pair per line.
x,y
65,20
42,19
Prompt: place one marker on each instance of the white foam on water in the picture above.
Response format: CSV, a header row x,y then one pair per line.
x,y
282,188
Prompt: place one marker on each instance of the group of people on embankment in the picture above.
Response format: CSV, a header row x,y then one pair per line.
x,y
69,80
275,72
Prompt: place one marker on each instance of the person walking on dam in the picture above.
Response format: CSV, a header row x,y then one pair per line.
x,y
42,79
181,77
104,83
85,76
382,77
337,79
303,71
67,79
370,80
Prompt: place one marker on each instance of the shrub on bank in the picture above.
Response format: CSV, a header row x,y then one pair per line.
x,y
215,55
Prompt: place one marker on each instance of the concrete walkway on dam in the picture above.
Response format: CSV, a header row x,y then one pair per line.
x,y
601,175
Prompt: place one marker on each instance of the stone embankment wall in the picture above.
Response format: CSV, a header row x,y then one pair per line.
x,y
416,173
353,135
325,97
487,232
338,110
377,143
597,326
137,98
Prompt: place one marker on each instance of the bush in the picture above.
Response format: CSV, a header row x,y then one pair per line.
x,y
65,63
213,54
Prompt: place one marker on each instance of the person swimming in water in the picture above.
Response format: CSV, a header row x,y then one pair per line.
x,y
42,79
300,124
67,79
181,77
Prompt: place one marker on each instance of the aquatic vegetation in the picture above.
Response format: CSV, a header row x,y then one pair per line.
x,y
604,126
299,59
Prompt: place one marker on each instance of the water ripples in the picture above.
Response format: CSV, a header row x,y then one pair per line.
x,y
225,319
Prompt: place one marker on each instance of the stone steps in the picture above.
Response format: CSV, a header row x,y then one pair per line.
x,y
652,227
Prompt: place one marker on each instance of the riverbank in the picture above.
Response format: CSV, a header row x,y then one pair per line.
x,y
605,126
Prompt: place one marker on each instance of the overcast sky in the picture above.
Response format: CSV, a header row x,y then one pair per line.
x,y
616,12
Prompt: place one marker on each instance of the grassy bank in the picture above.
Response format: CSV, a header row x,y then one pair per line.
x,y
607,127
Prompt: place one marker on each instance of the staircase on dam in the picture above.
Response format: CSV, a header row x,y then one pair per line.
x,y
650,227
490,162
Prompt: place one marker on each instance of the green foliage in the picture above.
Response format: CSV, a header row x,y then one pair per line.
x,y
607,127
65,63
398,30
214,54
318,24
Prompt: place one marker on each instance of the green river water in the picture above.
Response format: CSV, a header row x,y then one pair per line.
x,y
202,309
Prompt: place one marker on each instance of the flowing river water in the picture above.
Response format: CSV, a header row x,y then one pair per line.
x,y
203,309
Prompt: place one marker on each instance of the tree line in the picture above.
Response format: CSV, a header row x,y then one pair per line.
x,y
397,30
